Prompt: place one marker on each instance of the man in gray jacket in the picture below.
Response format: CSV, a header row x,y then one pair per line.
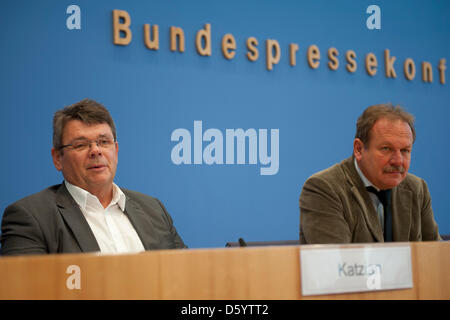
x,y
88,212
370,197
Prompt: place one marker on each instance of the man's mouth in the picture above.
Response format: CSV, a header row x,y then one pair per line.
x,y
96,167
394,169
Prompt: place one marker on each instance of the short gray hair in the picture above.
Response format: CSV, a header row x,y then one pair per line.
x,y
87,111
373,113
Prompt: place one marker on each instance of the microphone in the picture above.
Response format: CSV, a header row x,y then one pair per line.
x,y
242,243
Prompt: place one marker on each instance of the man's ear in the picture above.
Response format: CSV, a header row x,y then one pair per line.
x,y
358,147
56,155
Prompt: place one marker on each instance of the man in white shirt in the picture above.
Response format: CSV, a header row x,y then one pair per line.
x,y
88,212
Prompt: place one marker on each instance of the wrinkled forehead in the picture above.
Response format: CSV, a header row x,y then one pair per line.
x,y
76,130
391,130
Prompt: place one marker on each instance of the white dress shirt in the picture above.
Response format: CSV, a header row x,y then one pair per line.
x,y
111,227
376,202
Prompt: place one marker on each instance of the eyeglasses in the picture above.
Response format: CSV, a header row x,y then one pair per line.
x,y
81,145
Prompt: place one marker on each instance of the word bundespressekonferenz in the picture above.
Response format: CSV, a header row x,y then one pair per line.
x,y
122,35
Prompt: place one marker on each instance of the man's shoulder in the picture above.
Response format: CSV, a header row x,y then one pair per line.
x,y
45,196
413,183
143,202
141,198
136,194
333,174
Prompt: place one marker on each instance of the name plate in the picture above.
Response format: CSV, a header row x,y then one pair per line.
x,y
327,270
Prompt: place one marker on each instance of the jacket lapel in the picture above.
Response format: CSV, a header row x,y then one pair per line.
x,y
142,224
401,213
75,220
363,199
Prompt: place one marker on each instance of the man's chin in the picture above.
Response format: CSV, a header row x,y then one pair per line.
x,y
393,181
99,181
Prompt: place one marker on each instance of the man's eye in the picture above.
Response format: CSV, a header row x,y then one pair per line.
x,y
80,145
104,142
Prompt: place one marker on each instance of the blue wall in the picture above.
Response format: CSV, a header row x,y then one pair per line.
x,y
45,66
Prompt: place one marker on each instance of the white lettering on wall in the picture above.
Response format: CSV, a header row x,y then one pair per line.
x,y
241,147
74,20
374,20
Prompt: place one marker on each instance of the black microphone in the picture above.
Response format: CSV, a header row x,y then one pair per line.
x,y
242,243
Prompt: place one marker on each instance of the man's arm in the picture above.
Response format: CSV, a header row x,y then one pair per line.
x,y
429,226
322,214
21,233
179,244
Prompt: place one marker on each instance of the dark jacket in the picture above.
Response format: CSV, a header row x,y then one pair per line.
x,y
51,222
336,208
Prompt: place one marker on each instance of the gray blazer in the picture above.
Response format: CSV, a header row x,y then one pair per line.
x,y
336,208
51,222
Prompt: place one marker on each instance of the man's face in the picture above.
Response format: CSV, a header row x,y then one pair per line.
x,y
92,169
386,159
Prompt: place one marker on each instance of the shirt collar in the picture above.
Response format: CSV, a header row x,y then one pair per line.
x,y
81,196
366,181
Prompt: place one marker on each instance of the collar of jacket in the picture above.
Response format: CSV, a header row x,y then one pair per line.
x,y
401,204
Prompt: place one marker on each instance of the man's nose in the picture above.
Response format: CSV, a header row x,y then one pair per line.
x,y
397,158
94,149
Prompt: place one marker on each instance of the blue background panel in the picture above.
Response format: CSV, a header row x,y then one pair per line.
x,y
45,66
